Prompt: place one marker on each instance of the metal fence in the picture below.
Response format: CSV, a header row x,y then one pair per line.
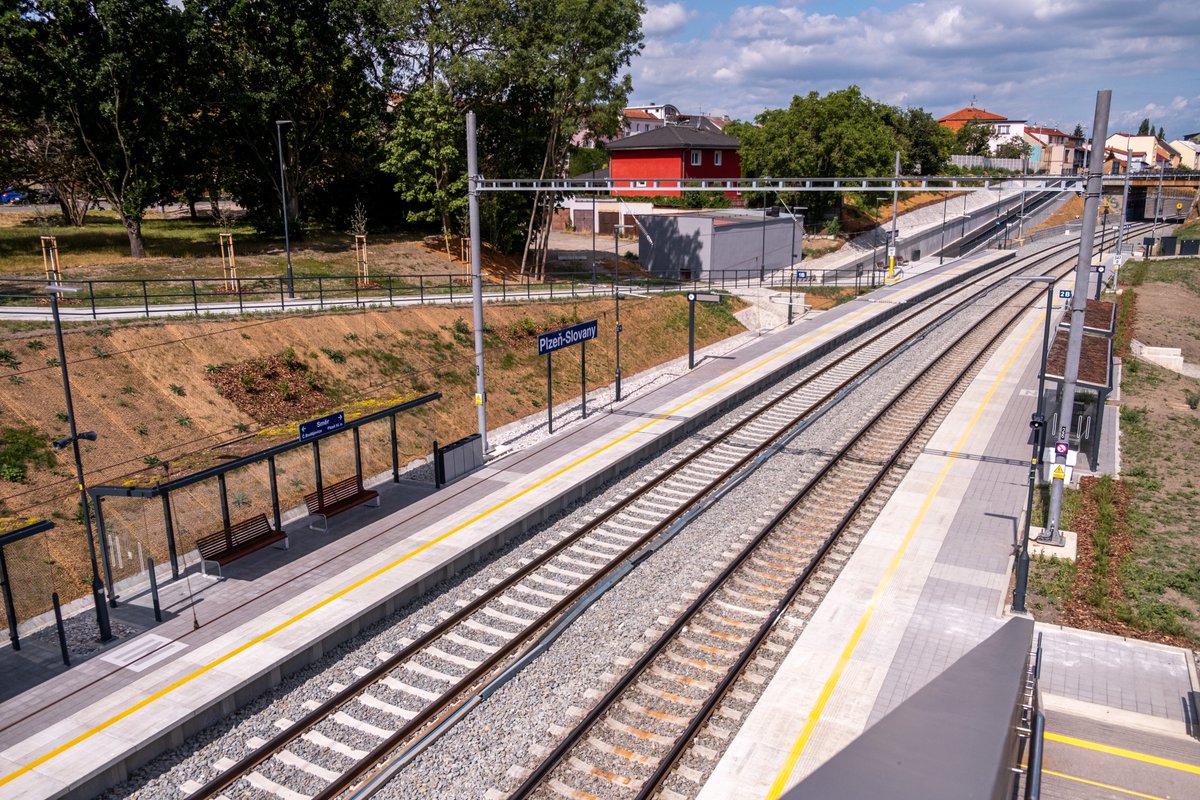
x,y
133,297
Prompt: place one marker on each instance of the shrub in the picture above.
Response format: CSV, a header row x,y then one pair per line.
x,y
128,390
9,360
184,421
1192,397
35,344
152,461
336,356
177,390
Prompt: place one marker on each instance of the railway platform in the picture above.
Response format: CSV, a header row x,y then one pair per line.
x,y
224,643
929,582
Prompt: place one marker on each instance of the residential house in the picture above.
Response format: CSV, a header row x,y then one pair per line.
x,y
1142,153
639,119
1051,149
1003,128
657,161
1189,152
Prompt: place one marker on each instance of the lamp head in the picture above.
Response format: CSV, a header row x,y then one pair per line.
x,y
59,444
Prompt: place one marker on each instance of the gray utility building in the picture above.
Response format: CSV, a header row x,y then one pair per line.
x,y
729,243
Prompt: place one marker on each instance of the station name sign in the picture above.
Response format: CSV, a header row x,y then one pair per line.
x,y
565,337
322,425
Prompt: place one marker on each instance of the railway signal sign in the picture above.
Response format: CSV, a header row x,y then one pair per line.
x,y
1061,448
801,274
1065,294
1060,474
1100,269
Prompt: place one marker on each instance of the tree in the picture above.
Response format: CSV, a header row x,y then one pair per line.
x,y
587,159
1078,134
1013,147
427,155
111,66
535,72
1144,129
1162,133
925,145
35,146
316,63
973,139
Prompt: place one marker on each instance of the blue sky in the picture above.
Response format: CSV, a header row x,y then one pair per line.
x,y
1038,60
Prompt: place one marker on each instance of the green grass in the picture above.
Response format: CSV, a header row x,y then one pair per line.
x,y
1051,578
1189,231
1041,503
103,237
21,448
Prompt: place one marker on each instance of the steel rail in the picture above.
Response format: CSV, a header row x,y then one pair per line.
x,y
435,709
601,708
535,627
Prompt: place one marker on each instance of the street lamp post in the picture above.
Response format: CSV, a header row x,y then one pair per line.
x,y
287,245
102,621
1038,424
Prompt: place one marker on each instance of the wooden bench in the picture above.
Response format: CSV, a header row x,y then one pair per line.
x,y
238,540
334,498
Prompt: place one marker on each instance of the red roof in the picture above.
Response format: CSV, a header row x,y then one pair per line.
x,y
957,119
637,113
1047,131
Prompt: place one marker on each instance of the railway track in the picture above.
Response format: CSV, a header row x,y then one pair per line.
x,y
403,701
632,741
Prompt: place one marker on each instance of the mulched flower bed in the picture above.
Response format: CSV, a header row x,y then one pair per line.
x,y
273,390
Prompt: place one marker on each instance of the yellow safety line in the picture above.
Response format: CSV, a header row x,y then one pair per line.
x,y
1123,753
343,592
1099,785
780,783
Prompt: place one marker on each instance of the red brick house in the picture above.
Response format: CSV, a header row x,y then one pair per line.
x,y
654,162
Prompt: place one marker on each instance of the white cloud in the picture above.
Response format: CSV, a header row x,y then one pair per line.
x,y
664,20
1024,58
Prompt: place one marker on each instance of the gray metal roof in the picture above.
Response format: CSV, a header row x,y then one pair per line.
x,y
670,137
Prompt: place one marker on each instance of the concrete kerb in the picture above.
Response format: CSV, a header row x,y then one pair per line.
x,y
273,673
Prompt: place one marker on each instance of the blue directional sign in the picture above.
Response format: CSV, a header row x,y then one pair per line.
x,y
316,427
801,274
1065,294
565,337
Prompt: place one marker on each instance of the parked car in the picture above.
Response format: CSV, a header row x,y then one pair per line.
x,y
11,196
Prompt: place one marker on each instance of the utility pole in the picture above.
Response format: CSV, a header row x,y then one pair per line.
x,y
892,248
1021,219
1124,206
1157,204
476,277
1078,307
